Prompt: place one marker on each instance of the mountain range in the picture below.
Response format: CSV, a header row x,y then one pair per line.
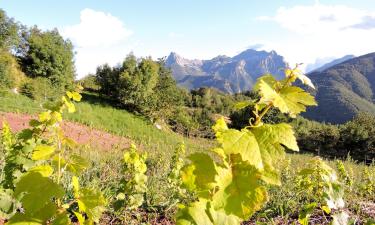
x,y
228,74
344,89
344,86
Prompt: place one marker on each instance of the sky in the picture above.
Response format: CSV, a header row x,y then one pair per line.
x,y
303,31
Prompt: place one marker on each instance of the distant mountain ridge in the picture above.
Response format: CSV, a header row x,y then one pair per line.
x,y
228,74
343,90
332,63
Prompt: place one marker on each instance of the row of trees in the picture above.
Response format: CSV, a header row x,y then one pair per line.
x,y
146,86
39,63
355,138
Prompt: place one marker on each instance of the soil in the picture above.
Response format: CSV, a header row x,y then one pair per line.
x,y
82,134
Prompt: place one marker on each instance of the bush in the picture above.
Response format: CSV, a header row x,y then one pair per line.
x,y
10,74
40,89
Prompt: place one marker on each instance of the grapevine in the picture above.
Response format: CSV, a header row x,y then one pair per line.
x,y
229,181
134,184
35,163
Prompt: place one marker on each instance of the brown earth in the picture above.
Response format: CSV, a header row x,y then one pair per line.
x,y
80,133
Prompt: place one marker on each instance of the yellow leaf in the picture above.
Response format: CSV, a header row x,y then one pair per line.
x,y
44,116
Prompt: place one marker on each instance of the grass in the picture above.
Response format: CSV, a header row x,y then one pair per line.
x,y
99,113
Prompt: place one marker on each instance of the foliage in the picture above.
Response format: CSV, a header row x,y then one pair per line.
x,y
229,186
355,138
344,90
143,85
89,83
11,75
35,164
344,175
40,89
133,186
323,190
46,54
9,37
358,137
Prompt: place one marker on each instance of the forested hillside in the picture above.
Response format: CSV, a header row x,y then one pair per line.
x,y
344,90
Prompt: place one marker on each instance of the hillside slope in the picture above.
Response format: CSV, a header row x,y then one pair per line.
x,y
98,114
344,90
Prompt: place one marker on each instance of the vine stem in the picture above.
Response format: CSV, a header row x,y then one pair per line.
x,y
259,117
59,166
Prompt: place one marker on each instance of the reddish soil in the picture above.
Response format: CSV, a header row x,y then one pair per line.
x,y
80,133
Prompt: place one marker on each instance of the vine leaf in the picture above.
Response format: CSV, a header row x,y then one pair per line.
x,y
271,139
240,192
200,174
38,217
43,152
92,203
194,214
35,191
291,100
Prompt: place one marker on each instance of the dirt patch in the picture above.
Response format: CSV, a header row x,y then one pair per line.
x,y
80,133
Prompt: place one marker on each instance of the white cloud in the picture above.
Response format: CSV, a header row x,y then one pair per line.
x,y
318,30
96,29
98,38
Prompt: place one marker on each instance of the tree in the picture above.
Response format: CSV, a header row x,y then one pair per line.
x,y
358,137
8,32
137,84
107,78
47,54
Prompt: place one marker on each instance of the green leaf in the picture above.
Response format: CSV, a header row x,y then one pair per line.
x,y
296,99
69,94
43,152
39,217
61,219
271,139
241,142
6,201
291,100
240,192
76,96
92,203
76,164
220,126
268,79
305,214
194,214
326,209
242,105
75,184
44,116
221,218
69,105
44,170
203,171
35,191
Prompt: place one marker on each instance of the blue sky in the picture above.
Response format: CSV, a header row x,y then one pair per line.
x,y
106,31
